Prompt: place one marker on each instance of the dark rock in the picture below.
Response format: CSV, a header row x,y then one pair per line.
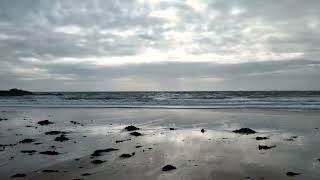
x,y
61,138
97,162
244,131
131,128
75,123
289,139
168,168
292,174
86,174
45,122
30,152
3,119
261,138
18,175
49,171
54,132
52,153
120,141
6,145
261,147
202,130
135,133
100,151
138,146
171,129
24,141
15,92
127,155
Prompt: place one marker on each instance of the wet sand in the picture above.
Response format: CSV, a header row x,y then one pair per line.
x,y
216,153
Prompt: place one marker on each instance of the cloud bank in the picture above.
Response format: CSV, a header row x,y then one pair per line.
x,y
159,45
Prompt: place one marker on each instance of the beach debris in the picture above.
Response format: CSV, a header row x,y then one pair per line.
x,y
49,171
138,146
76,123
97,162
244,131
171,129
100,151
18,175
54,132
135,133
86,174
262,147
202,130
61,138
168,167
127,155
45,122
52,153
131,128
261,138
29,152
292,174
25,141
120,141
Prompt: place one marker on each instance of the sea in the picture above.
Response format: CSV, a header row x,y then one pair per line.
x,y
177,99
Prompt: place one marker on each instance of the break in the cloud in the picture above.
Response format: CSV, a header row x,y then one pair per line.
x,y
159,44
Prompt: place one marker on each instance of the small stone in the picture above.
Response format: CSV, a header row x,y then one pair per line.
x,y
245,131
135,133
131,128
292,174
45,122
168,168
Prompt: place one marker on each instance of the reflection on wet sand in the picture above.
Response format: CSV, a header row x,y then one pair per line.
x,y
101,147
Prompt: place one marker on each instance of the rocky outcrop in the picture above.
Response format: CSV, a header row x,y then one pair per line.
x,y
15,92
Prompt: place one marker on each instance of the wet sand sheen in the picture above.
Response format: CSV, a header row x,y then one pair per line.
x,y
168,137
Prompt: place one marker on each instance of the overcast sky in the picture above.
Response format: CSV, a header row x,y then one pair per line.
x,y
77,45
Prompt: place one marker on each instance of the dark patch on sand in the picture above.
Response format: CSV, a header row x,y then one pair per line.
x,y
45,122
244,131
86,174
18,175
100,151
120,141
135,133
54,132
261,147
49,171
202,130
29,152
61,138
52,153
3,119
261,138
97,162
25,141
168,167
131,128
127,155
292,174
171,129
138,146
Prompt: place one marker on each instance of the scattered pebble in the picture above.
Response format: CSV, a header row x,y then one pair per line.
x,y
24,141
61,138
97,162
244,131
168,167
52,153
135,133
45,122
261,147
127,155
261,138
18,175
49,171
100,151
292,174
131,128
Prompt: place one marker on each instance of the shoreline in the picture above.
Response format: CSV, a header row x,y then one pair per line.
x,y
216,153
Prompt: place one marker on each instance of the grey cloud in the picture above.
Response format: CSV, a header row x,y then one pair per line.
x,y
244,29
